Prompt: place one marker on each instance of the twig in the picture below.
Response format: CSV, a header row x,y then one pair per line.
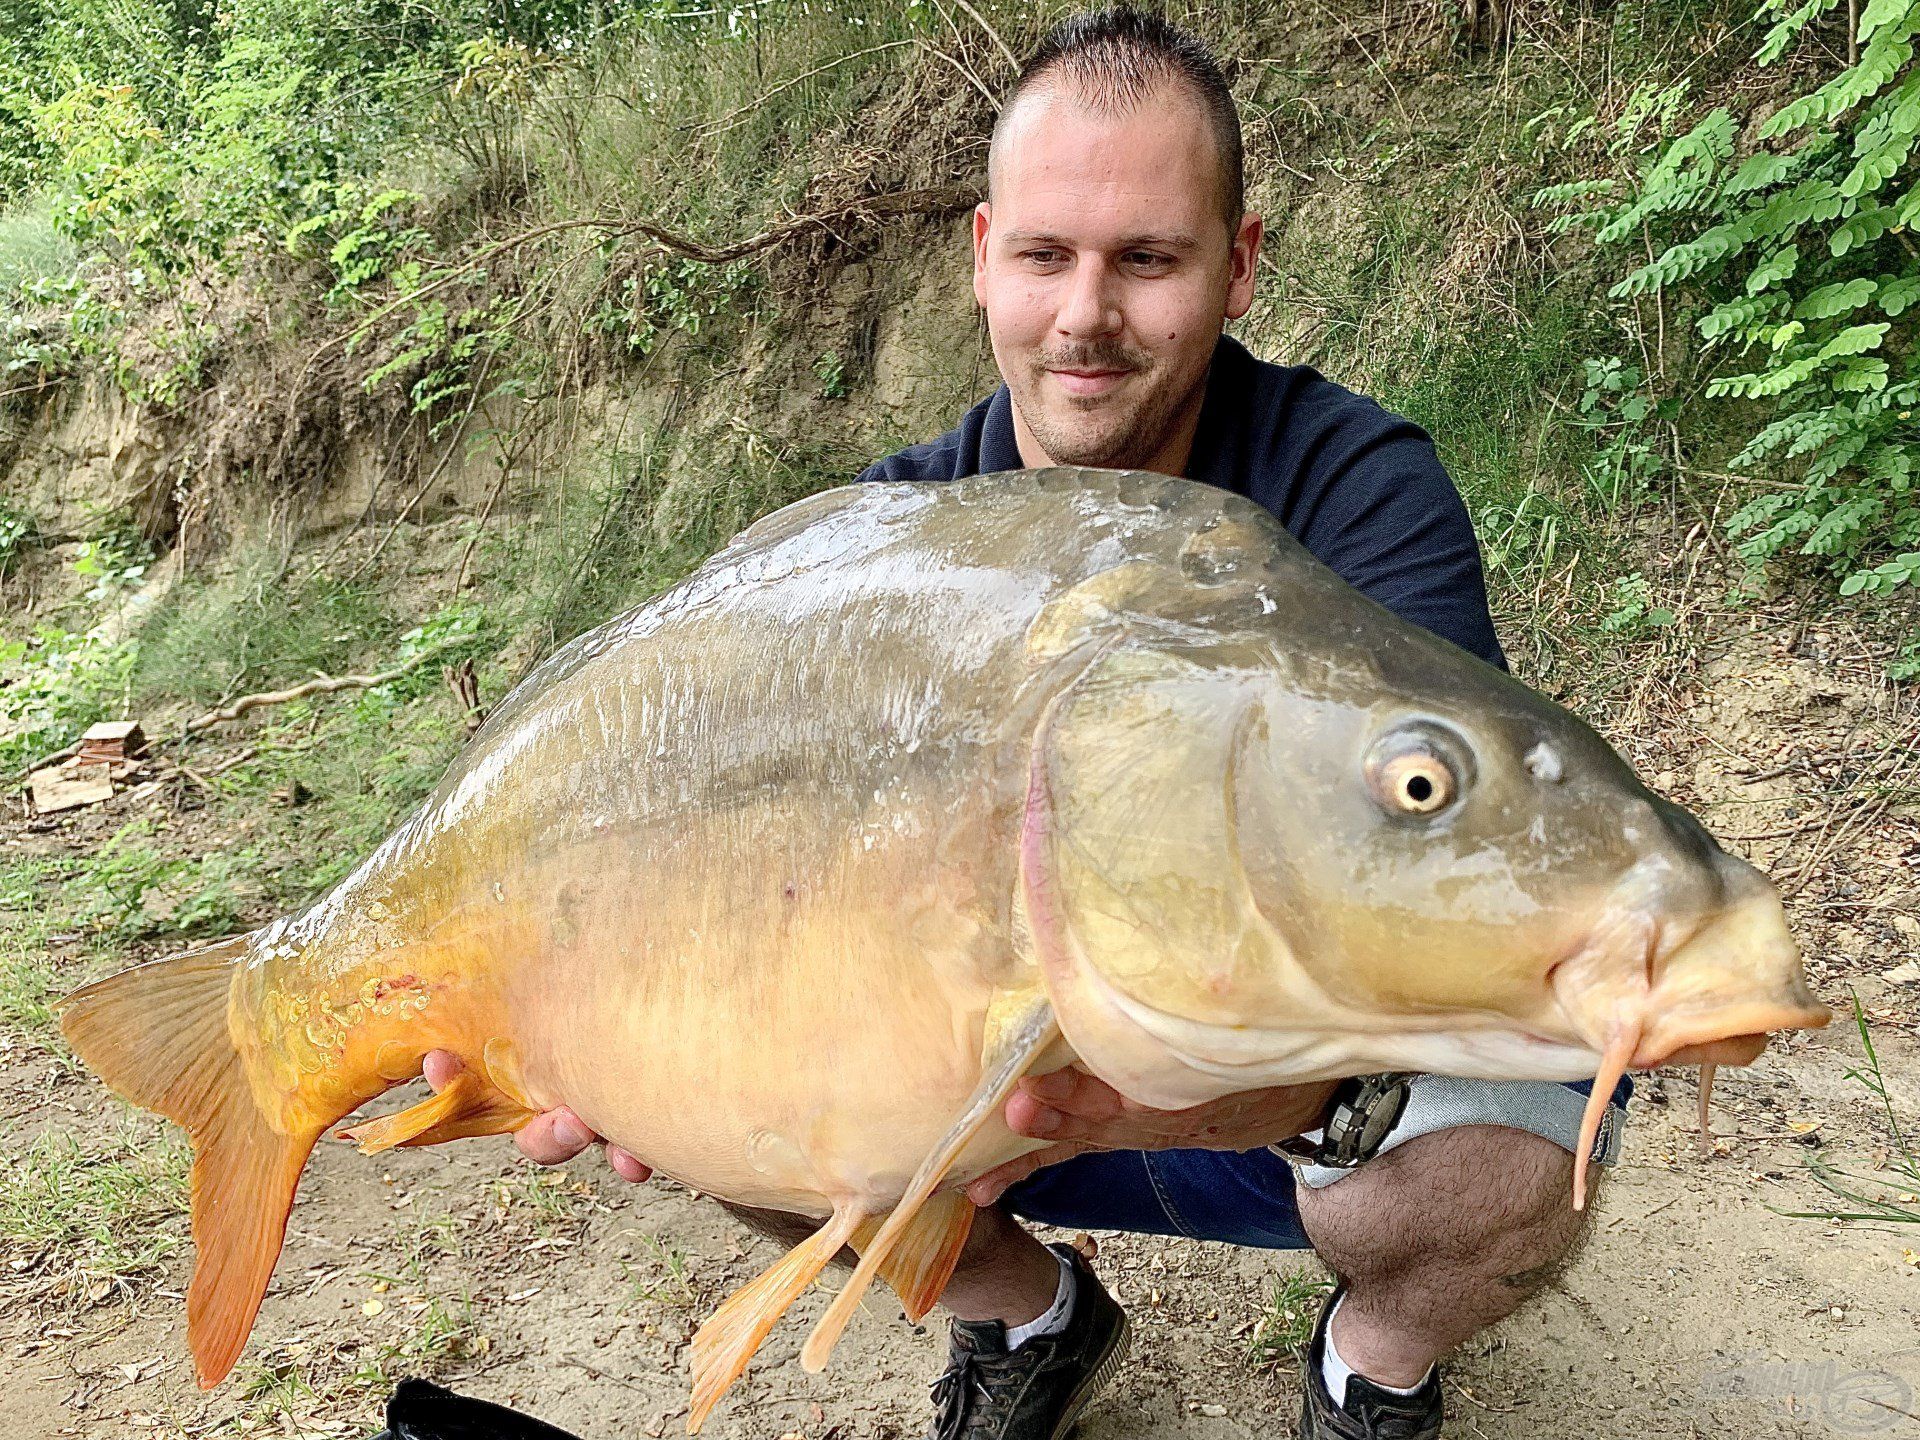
x,y
466,692
479,529
593,1373
46,384
735,116
972,78
325,685
992,34
937,199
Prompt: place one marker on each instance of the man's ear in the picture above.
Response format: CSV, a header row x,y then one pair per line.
x,y
982,222
1245,263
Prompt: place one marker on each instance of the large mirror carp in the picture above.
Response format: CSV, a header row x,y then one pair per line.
x,y
784,878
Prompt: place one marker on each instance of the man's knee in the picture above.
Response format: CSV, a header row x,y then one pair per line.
x,y
1489,1195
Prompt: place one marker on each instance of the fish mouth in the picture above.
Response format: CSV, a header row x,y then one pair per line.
x,y
1647,992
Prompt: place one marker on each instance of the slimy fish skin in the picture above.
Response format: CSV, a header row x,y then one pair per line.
x,y
783,879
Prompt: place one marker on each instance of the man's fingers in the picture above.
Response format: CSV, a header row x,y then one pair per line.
x,y
553,1138
441,1067
549,1139
1075,1092
988,1189
626,1165
1028,1116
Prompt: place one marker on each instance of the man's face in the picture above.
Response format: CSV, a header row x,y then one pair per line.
x,y
1107,268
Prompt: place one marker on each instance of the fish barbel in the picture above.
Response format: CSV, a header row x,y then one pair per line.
x,y
783,879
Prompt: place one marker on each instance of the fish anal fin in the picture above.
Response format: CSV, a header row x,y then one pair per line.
x,y
468,1106
921,1262
723,1346
1017,1045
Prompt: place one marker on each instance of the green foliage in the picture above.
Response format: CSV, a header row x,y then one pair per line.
x,y
831,372
92,1212
668,296
1633,610
1794,266
134,888
1291,1314
53,685
1886,1198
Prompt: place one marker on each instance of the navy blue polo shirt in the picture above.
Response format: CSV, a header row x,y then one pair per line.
x,y
1360,487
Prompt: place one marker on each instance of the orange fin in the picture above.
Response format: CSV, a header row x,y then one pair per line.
x,y
921,1262
723,1346
158,1034
1017,1046
468,1106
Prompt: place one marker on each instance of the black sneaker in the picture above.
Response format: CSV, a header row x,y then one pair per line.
x,y
1365,1412
423,1411
1038,1391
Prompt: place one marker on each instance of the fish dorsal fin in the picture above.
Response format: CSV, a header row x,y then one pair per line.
x,y
1022,1042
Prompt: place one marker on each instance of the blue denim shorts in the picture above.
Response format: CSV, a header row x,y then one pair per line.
x,y
1248,1197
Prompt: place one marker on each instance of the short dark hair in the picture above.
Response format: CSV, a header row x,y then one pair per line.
x,y
1114,58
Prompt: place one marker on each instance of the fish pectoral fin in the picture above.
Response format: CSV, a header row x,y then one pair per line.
x,y
921,1262
1010,1054
468,1106
723,1346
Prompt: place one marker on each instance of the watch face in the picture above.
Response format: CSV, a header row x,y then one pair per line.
x,y
1378,1110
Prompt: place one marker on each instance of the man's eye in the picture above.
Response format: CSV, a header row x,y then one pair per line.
x,y
1043,257
1147,260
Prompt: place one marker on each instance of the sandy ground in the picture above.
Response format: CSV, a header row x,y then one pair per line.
x,y
1697,1309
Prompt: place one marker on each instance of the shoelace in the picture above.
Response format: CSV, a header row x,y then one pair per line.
x,y
1386,1421
989,1378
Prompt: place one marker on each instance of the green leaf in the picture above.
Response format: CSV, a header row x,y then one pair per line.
x,y
1898,293
1777,267
1862,227
1855,340
1835,299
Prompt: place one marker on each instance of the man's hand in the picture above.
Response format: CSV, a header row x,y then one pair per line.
x,y
1079,1113
549,1139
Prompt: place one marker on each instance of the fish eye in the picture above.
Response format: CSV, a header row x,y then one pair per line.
x,y
1417,771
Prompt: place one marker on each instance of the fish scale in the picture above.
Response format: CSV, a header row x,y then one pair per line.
x,y
784,879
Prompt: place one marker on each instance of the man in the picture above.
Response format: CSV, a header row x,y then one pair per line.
x,y
1112,248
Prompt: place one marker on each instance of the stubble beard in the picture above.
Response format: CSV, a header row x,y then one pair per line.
x,y
1114,438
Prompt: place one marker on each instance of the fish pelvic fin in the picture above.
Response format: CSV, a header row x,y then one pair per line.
x,y
158,1035
723,1346
918,1267
468,1106
1020,1043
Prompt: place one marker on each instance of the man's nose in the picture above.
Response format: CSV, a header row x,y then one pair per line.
x,y
1089,307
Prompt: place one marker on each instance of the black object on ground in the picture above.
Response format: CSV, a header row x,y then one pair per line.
x,y
420,1410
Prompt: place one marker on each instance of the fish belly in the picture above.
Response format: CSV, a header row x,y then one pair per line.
x,y
772,1041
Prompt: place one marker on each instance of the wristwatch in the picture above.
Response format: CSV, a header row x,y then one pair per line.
x,y
1364,1111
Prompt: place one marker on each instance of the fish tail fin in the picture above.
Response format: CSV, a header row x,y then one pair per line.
x,y
158,1035
723,1346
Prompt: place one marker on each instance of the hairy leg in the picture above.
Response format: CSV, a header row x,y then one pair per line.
x,y
1004,1273
1438,1239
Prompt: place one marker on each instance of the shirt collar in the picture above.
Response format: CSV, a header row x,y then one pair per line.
x,y
1211,460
